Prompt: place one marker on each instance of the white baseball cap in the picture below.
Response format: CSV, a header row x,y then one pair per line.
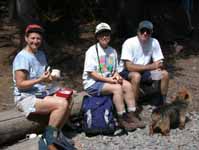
x,y
102,27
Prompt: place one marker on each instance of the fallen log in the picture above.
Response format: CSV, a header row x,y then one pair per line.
x,y
26,144
14,126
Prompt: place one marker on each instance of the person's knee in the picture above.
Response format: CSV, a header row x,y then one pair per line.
x,y
136,77
62,103
117,88
127,86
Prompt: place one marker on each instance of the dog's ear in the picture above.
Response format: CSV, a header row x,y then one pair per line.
x,y
187,96
184,94
173,98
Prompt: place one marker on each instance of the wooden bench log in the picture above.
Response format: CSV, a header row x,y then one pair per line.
x,y
14,126
28,144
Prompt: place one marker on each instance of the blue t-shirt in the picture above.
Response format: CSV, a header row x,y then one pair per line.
x,y
34,64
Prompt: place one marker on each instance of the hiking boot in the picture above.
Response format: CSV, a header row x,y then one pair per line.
x,y
139,109
122,123
50,134
132,117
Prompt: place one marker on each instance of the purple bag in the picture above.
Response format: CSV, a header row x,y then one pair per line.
x,y
98,115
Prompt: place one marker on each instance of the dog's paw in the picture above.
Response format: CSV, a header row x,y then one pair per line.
x,y
181,127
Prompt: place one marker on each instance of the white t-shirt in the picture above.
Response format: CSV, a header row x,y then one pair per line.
x,y
133,51
108,63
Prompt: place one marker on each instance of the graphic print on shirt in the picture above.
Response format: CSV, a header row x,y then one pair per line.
x,y
106,64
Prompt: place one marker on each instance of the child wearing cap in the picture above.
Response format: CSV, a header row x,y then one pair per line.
x,y
141,57
100,77
29,77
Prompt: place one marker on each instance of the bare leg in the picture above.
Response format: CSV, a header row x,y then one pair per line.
x,y
135,78
116,90
118,100
56,107
128,94
164,82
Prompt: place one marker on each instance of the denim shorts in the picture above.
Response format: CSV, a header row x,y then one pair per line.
x,y
124,74
145,75
95,89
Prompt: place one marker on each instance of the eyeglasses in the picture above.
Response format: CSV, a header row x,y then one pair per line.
x,y
104,33
143,30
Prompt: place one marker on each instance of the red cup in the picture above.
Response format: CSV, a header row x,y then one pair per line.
x,y
65,93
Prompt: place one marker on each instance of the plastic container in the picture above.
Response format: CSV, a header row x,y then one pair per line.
x,y
65,92
156,75
31,136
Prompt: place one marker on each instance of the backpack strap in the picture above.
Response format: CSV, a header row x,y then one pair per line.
x,y
100,68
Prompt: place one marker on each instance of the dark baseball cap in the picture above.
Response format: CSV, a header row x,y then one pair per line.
x,y
145,24
34,28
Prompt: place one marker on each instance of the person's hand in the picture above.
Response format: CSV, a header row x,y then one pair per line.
x,y
112,80
161,64
45,76
157,65
118,78
53,78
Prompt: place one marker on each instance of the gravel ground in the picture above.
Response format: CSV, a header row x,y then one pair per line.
x,y
183,73
186,139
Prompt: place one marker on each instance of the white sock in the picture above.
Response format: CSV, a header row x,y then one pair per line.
x,y
131,109
121,112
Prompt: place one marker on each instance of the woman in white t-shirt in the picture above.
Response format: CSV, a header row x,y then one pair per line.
x,y
101,77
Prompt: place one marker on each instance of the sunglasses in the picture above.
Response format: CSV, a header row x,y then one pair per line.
x,y
143,30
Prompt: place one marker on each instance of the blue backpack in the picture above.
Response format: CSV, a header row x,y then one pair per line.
x,y
98,115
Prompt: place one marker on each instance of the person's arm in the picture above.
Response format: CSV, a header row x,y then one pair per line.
x,y
99,77
140,68
157,55
23,83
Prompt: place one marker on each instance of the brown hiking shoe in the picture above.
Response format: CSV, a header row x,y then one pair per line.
x,y
122,123
139,109
132,117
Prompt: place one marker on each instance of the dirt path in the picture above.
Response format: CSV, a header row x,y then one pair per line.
x,y
186,74
8,33
6,100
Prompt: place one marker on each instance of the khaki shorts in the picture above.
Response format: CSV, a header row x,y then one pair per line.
x,y
25,103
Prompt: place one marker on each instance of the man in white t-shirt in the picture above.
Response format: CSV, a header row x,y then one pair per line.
x,y
142,59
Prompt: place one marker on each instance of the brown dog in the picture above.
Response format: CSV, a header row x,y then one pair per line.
x,y
171,115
